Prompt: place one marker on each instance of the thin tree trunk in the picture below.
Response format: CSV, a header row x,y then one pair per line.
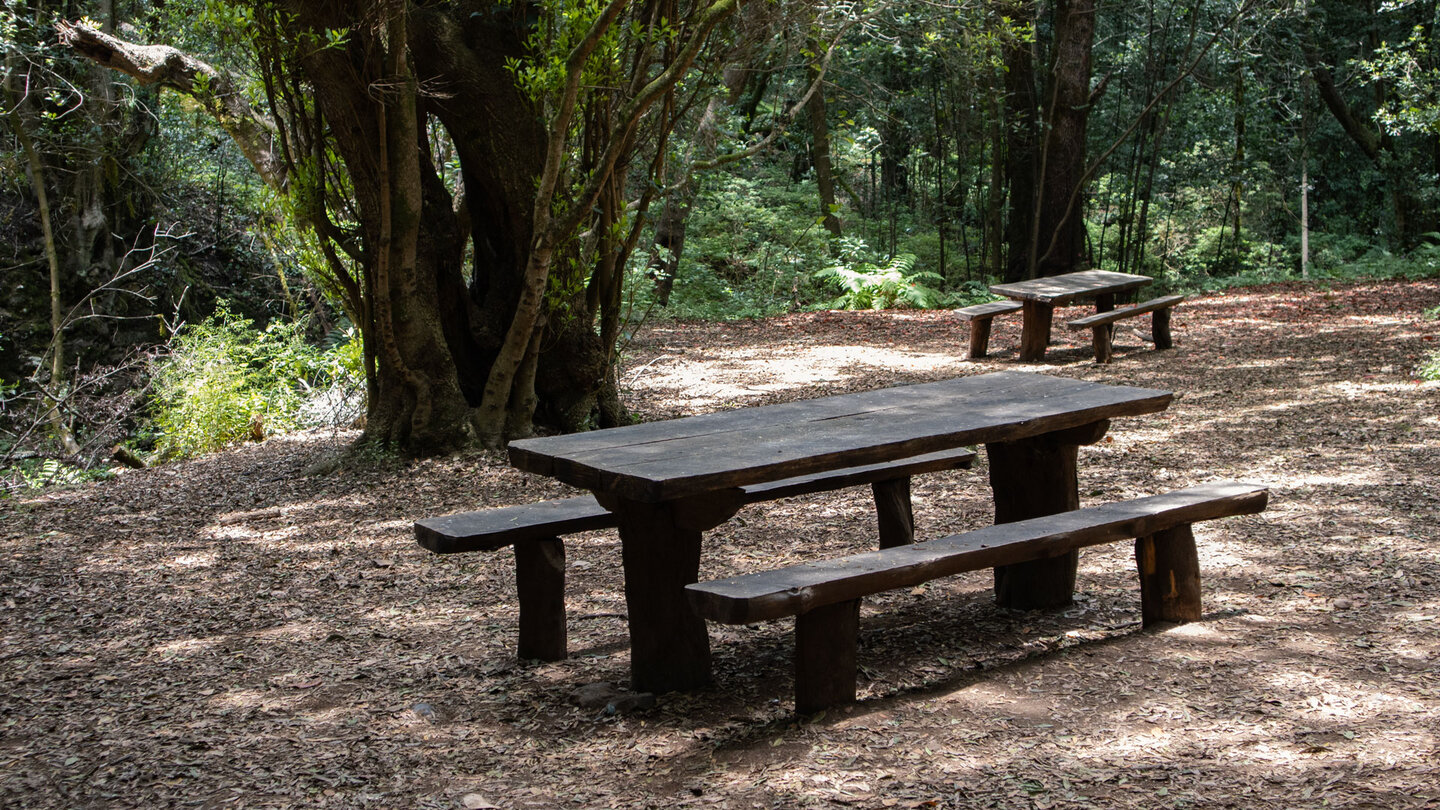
x,y
36,167
820,140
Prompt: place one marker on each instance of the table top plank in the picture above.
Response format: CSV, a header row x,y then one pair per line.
x,y
661,461
1063,289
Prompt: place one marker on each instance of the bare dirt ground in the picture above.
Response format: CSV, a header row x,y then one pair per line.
x,y
235,632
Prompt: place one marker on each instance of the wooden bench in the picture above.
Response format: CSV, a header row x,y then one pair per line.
x,y
824,596
979,317
535,531
1101,324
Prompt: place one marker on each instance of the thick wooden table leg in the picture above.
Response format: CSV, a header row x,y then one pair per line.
x,y
540,584
1035,334
896,515
1031,478
1169,576
660,549
825,656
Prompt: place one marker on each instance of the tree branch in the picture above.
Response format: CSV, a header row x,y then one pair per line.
x,y
216,90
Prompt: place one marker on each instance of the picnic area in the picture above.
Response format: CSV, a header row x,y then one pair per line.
x,y
258,627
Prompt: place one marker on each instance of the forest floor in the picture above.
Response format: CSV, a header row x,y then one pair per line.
x,y
241,631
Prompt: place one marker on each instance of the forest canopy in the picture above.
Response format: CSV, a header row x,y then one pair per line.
x,y
478,201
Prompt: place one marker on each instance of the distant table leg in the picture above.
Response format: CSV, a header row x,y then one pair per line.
x,y
896,516
1035,335
1103,342
1032,478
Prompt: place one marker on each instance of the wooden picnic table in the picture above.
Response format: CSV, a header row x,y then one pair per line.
x,y
667,482
1040,297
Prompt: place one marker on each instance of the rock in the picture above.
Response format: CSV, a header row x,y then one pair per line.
x,y
594,695
1344,604
474,801
631,702
424,711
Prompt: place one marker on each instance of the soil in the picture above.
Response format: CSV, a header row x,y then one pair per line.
x,y
245,630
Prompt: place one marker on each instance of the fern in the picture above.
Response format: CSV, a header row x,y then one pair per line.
x,y
894,284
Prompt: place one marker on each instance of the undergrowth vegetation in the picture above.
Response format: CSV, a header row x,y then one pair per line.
x,y
224,381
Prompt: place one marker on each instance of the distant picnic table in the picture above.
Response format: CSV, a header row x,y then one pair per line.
x,y
1040,297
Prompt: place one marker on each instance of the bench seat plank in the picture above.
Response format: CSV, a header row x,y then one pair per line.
x,y
979,317
799,588
1101,324
494,529
1111,316
989,310
498,527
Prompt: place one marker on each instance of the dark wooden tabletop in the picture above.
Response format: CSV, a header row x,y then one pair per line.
x,y
1065,288
661,461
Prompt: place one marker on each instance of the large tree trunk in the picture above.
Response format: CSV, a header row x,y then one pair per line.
x,y
449,365
1059,231
1022,146
410,236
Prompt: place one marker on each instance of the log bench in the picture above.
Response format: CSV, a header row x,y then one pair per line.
x,y
979,317
824,596
534,530
1101,324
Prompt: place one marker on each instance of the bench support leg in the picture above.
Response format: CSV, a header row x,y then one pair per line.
x,y
1169,576
1032,478
1035,333
979,337
540,583
896,516
1102,336
825,656
1160,328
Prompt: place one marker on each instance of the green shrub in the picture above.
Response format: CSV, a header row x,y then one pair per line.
x,y
870,284
1422,262
1430,368
226,381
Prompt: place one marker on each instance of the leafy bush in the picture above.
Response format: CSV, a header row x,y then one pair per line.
x,y
225,381
1422,262
870,284
1430,368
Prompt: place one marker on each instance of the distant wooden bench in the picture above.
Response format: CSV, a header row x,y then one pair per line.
x,y
979,317
824,596
1101,324
535,531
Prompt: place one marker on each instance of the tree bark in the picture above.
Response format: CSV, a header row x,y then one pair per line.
x,y
820,140
1060,225
1022,148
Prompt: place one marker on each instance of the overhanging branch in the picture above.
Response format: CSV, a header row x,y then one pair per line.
x,y
216,90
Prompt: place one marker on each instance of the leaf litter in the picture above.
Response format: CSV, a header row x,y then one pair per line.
x,y
244,631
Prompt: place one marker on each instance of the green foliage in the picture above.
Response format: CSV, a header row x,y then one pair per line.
x,y
869,283
1430,368
40,473
1422,262
752,249
1408,71
225,381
